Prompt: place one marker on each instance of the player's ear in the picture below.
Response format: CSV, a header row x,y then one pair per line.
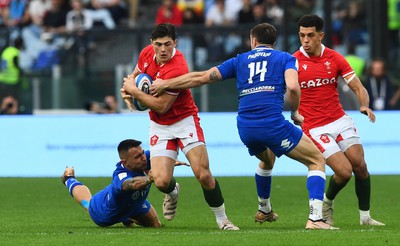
x,y
321,35
123,160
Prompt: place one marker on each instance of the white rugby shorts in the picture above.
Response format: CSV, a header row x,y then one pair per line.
x,y
336,136
166,140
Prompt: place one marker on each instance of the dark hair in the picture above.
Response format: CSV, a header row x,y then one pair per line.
x,y
164,30
264,33
127,144
312,21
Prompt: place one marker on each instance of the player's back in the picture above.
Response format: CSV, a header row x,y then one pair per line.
x,y
261,83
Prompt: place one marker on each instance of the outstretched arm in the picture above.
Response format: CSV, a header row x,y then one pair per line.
x,y
189,80
136,183
362,96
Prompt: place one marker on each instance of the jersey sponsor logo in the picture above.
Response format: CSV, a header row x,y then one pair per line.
x,y
263,54
286,144
317,82
256,90
324,138
122,175
153,140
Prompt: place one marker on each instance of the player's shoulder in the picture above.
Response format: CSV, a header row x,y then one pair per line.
x,y
328,52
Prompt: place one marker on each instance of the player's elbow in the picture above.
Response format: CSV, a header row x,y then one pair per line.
x,y
293,87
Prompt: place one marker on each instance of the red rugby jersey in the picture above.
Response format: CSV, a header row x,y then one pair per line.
x,y
318,79
184,105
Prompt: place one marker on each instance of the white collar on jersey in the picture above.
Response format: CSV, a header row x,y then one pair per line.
x,y
262,47
305,53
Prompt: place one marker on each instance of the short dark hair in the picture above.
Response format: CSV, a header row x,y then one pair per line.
x,y
164,30
127,144
264,33
312,21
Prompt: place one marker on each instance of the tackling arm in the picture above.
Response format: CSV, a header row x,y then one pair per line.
x,y
362,96
189,80
136,183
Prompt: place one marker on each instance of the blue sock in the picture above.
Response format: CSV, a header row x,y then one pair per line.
x,y
85,204
71,183
316,185
263,183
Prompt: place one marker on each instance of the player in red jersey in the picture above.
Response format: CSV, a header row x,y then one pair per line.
x,y
325,121
174,124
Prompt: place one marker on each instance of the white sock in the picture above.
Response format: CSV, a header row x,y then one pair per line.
x,y
219,213
264,205
364,215
315,210
173,194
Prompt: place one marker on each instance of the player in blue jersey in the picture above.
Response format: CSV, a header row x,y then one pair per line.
x,y
263,76
125,199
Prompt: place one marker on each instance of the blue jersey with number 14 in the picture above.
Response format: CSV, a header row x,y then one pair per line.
x,y
260,75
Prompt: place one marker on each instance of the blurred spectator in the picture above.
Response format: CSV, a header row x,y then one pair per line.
x,y
133,12
219,44
394,28
16,16
233,7
379,86
218,15
192,11
54,21
37,10
168,12
190,16
196,5
354,23
80,20
10,71
245,15
117,8
47,39
259,14
109,106
274,12
356,62
10,106
295,11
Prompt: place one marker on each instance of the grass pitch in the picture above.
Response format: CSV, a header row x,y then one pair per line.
x,y
39,211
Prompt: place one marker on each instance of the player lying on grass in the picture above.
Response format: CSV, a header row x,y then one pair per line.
x,y
125,199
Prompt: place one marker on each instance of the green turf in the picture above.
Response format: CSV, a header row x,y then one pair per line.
x,y
39,211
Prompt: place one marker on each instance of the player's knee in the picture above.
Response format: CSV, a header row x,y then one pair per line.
x,y
206,180
361,171
344,175
161,183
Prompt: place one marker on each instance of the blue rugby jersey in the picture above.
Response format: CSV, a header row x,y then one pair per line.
x,y
112,203
260,75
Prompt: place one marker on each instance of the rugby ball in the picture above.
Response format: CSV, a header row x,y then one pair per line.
x,y
143,82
